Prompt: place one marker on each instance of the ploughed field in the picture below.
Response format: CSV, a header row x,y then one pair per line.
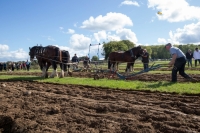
x,y
29,107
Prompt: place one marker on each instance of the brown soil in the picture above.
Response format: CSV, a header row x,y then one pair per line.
x,y
30,107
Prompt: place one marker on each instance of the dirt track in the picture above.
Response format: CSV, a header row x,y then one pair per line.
x,y
29,107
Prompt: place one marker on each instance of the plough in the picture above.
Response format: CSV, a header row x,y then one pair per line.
x,y
124,77
153,67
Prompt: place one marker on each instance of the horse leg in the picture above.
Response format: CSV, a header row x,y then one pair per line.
x,y
115,67
132,66
117,64
109,64
128,67
44,71
47,68
68,69
54,73
62,66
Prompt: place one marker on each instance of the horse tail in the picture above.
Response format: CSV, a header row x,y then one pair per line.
x,y
109,64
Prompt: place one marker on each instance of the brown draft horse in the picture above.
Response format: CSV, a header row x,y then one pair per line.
x,y
50,55
128,56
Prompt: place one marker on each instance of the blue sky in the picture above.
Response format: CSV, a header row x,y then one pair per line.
x,y
75,24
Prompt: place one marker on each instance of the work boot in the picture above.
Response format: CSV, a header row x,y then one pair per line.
x,y
191,79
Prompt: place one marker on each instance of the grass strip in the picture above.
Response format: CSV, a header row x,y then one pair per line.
x,y
161,86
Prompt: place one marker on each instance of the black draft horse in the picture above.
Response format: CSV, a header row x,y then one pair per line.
x,y
128,56
50,55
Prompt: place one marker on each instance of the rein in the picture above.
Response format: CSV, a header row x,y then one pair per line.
x,y
131,52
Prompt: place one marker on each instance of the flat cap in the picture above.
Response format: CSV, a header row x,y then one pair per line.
x,y
168,44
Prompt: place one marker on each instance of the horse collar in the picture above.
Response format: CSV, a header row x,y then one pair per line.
x,y
131,52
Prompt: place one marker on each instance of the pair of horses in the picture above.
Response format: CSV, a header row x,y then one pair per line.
x,y
50,55
128,56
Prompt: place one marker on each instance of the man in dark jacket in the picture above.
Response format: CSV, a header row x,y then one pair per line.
x,y
189,56
1,66
75,59
145,59
28,65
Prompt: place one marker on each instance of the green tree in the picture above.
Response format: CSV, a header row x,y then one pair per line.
x,y
95,58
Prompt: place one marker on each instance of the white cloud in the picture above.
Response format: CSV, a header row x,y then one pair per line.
x,y
101,35
113,37
79,41
175,10
120,34
146,44
189,34
162,41
127,34
50,38
61,28
75,24
129,2
3,47
112,21
6,55
71,31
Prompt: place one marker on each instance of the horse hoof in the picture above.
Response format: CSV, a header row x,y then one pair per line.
x,y
51,77
46,76
96,77
70,74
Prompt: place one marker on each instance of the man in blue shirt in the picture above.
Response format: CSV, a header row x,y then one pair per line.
x,y
178,62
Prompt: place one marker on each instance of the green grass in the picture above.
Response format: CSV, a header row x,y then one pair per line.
x,y
164,86
180,88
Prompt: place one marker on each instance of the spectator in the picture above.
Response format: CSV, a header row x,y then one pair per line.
x,y
28,65
178,62
196,56
17,66
24,65
86,62
4,66
75,59
12,66
189,56
145,60
1,66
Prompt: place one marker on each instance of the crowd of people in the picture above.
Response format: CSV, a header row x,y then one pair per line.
x,y
11,66
193,55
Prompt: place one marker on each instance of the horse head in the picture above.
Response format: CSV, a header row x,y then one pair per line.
x,y
33,51
140,53
137,51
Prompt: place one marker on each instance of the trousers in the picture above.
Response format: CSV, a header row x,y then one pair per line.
x,y
179,66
